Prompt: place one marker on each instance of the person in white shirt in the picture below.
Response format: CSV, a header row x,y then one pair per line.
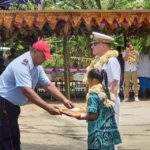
x,y
105,58
102,47
130,57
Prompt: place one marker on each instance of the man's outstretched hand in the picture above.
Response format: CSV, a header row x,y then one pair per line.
x,y
68,104
54,110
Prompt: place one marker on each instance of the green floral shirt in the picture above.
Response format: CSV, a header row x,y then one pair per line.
x,y
102,132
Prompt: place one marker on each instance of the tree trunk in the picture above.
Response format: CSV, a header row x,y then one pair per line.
x,y
66,66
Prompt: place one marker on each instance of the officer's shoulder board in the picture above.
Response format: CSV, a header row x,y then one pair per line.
x,y
25,62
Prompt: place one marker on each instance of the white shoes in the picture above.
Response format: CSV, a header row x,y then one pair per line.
x,y
136,99
126,99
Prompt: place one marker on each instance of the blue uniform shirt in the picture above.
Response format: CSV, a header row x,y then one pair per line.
x,y
21,72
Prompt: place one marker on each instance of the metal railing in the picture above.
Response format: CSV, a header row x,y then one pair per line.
x,y
78,89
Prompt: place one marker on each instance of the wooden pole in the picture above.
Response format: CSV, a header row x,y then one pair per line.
x,y
125,39
66,62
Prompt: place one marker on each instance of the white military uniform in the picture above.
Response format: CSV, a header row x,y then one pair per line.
x,y
112,67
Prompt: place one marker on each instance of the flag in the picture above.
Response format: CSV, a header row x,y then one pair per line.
x,y
6,3
38,1
23,1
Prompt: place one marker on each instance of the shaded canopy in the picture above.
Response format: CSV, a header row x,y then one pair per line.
x,y
55,19
68,22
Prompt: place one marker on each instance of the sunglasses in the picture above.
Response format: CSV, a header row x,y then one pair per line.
x,y
95,43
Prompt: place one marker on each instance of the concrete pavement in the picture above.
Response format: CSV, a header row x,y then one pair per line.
x,y
41,131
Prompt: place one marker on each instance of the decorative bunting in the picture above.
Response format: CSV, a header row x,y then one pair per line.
x,y
40,21
103,20
8,21
29,20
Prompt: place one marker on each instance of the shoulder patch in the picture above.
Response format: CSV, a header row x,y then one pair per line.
x,y
25,62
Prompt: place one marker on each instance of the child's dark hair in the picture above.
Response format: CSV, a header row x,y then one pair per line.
x,y
101,76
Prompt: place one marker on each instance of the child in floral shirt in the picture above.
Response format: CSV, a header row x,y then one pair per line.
x,y
103,133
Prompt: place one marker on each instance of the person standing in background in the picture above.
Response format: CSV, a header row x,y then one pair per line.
x,y
121,62
130,56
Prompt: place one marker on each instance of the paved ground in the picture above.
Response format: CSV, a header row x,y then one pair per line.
x,y
40,131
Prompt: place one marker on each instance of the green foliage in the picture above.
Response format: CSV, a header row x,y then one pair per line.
x,y
29,6
138,43
79,50
76,4
102,4
119,41
147,4
79,45
57,61
84,4
147,43
56,44
47,4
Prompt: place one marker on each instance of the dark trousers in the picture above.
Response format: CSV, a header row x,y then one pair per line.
x,y
9,128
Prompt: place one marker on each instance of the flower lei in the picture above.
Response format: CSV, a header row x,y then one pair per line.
x,y
132,57
98,63
98,89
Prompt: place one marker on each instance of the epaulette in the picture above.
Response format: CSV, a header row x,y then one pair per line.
x,y
25,62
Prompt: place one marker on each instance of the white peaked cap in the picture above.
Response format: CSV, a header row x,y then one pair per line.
x,y
99,37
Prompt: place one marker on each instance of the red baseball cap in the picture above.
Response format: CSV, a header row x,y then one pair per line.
x,y
43,47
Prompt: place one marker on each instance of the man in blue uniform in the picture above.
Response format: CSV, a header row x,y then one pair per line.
x,y
17,84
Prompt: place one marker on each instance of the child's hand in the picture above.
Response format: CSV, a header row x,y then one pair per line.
x,y
82,116
78,117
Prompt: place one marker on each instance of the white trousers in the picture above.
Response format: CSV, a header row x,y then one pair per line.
x,y
117,110
116,147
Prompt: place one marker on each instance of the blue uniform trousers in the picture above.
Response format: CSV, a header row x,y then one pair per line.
x,y
9,128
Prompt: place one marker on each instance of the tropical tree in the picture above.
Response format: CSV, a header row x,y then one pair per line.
x,y
103,4
79,51
82,4
31,5
81,40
